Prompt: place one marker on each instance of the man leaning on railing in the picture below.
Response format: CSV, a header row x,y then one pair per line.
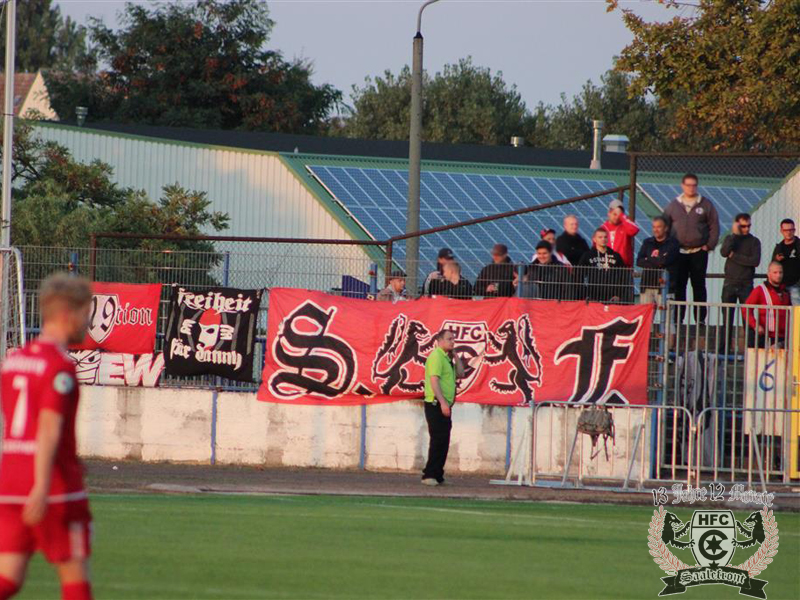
x,y
546,278
604,271
768,326
656,254
395,291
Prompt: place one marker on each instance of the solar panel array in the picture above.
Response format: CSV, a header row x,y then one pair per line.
x,y
377,199
729,201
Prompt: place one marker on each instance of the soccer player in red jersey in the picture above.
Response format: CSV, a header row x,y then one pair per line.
x,y
43,504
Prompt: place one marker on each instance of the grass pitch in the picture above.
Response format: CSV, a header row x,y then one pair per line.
x,y
149,546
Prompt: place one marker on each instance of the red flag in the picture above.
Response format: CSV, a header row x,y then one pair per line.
x,y
324,349
123,318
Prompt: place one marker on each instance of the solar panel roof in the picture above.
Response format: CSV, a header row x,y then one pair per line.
x,y
377,198
729,201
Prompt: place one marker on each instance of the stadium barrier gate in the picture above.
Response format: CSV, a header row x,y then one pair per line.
x,y
652,444
735,444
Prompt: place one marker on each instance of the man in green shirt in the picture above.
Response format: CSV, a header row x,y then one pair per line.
x,y
442,367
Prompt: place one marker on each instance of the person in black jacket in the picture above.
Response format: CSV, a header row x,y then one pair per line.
x,y
445,255
547,276
451,284
604,271
742,251
570,243
497,279
787,252
572,246
656,254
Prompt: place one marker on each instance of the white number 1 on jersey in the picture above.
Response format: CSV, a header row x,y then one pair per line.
x,y
20,383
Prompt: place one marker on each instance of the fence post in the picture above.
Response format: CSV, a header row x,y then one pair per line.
x,y
72,266
362,449
520,273
226,269
93,257
214,397
509,433
632,192
388,269
373,278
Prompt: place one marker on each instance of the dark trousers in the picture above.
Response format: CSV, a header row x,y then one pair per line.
x,y
439,428
692,267
731,294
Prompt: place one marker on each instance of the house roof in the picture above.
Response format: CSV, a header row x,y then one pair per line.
x,y
22,86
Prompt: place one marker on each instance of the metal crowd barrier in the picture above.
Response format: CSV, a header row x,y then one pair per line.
x,y
653,443
658,445
735,444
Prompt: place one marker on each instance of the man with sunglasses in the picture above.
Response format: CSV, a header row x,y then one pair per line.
x,y
787,252
742,251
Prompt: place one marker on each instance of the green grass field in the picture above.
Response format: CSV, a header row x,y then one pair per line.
x,y
149,546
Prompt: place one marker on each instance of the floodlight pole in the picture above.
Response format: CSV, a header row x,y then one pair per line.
x,y
415,159
8,122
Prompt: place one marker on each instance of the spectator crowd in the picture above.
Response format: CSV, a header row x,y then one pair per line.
x,y
567,267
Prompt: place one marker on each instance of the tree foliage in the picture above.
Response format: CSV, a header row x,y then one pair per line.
x,y
569,125
466,104
45,39
201,64
60,202
463,103
728,73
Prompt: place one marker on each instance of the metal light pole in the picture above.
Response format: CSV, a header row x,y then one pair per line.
x,y
8,121
415,158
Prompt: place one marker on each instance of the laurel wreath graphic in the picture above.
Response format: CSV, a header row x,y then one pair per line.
x,y
671,564
769,547
665,559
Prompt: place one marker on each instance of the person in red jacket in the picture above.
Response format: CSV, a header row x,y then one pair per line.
x,y
621,231
766,322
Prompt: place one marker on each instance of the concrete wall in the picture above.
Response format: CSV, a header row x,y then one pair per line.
x,y
234,428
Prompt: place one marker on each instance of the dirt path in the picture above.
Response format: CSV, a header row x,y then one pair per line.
x,y
102,476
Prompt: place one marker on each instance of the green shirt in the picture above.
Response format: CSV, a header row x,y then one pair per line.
x,y
440,365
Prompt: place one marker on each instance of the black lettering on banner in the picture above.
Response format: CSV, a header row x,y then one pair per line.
x,y
598,352
211,331
314,362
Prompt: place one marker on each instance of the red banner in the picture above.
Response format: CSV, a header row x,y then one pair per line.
x,y
324,349
123,318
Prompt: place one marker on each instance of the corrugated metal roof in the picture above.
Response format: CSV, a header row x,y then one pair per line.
x,y
342,146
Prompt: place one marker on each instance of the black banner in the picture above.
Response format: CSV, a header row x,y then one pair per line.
x,y
212,331
748,586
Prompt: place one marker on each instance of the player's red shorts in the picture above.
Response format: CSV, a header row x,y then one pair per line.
x,y
63,535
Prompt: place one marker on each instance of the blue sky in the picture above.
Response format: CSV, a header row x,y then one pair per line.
x,y
545,47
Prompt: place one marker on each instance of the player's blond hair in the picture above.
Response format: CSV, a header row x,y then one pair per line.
x,y
62,290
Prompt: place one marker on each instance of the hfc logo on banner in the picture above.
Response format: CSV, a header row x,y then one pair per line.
x,y
712,537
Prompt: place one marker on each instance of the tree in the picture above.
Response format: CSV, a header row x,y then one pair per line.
x,y
570,123
728,74
199,65
463,104
45,39
59,203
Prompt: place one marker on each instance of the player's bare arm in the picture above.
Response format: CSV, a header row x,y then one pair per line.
x,y
47,438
